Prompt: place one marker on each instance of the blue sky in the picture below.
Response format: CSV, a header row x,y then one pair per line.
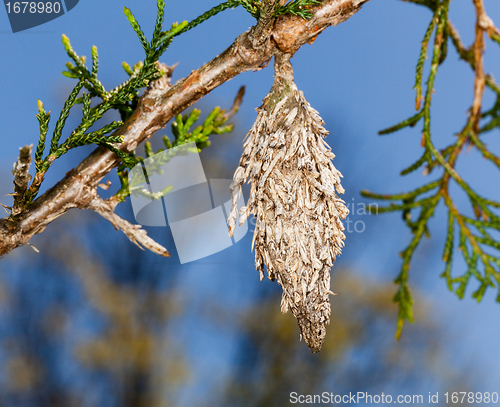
x,y
359,76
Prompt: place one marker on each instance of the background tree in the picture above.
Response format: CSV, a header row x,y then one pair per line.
x,y
120,331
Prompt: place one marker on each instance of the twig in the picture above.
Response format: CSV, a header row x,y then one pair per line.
x,y
137,235
479,81
236,103
467,55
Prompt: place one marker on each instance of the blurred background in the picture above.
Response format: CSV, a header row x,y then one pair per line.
x,y
92,320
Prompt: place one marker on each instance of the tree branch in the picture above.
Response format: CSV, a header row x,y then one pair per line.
x,y
159,104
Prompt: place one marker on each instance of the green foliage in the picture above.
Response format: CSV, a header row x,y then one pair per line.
x,y
215,123
43,119
252,6
295,7
137,28
95,137
476,241
77,138
54,144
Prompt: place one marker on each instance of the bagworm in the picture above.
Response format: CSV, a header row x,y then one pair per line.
x,y
294,197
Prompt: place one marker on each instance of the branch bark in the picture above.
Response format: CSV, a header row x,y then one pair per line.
x,y
158,105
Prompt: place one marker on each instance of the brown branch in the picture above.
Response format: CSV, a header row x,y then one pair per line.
x,y
479,81
159,104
